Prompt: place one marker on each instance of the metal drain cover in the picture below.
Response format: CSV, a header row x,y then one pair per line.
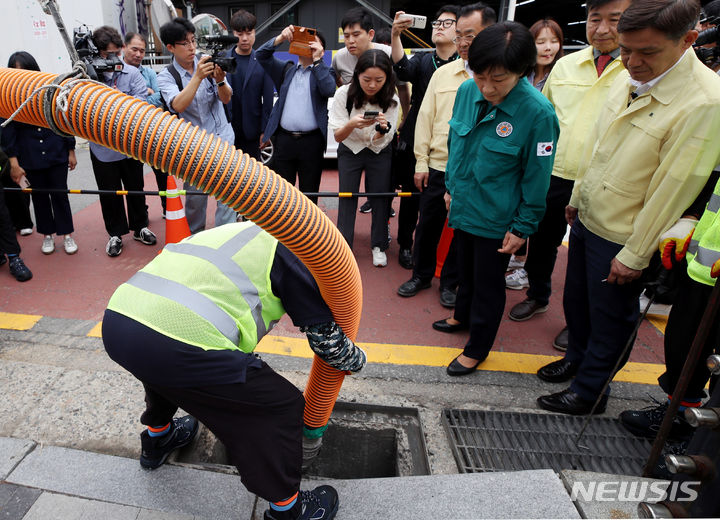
x,y
509,441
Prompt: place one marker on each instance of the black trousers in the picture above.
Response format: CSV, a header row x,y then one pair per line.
x,y
481,293
259,422
542,254
17,203
52,210
377,179
126,174
8,240
161,180
404,168
300,157
683,322
248,146
427,235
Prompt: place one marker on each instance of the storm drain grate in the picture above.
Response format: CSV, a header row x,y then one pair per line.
x,y
484,441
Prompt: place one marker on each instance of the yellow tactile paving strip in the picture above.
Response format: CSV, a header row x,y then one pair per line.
x,y
646,373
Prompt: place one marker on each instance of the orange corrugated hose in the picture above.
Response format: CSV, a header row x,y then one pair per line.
x,y
133,127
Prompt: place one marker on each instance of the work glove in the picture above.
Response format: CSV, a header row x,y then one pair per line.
x,y
331,345
715,269
675,241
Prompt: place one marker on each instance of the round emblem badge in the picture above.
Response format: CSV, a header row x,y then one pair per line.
x,y
504,129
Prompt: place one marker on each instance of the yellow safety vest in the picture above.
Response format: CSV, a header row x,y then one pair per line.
x,y
211,290
704,249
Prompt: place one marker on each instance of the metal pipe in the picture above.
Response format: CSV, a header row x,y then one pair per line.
x,y
707,417
713,364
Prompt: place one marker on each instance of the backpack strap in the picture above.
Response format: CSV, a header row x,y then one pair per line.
x,y
178,81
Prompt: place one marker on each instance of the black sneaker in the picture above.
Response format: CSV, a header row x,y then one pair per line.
x,y
19,270
114,246
145,236
319,504
392,212
647,422
155,450
365,208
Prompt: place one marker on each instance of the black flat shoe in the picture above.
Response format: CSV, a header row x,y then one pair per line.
x,y
444,326
570,403
558,371
456,369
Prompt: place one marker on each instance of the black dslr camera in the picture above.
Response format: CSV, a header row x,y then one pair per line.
x,y
88,52
216,44
708,56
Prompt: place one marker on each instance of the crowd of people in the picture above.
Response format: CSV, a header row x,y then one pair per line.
x,y
501,135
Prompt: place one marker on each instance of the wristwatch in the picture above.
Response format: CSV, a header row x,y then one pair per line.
x,y
221,83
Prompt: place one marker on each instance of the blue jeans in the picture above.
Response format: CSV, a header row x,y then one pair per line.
x,y
600,316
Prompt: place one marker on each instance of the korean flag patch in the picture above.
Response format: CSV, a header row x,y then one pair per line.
x,y
544,149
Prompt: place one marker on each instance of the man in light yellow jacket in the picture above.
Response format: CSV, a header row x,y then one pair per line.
x,y
656,143
577,87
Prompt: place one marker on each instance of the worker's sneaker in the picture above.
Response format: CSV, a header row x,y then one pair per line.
x,y
19,270
48,245
26,231
70,245
114,246
145,236
319,504
366,208
379,257
517,280
155,450
515,264
646,422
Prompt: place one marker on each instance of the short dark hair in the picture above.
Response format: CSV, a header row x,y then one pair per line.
x,y
357,15
450,8
22,60
591,5
508,45
129,37
176,31
489,16
104,36
673,18
383,35
712,8
321,37
243,20
384,97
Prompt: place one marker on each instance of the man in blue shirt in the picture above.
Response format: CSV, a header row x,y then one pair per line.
x,y
114,170
299,118
199,102
133,54
252,99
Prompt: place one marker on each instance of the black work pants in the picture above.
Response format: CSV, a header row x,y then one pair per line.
x,y
8,241
126,174
542,254
683,323
300,156
481,293
427,235
17,203
404,167
377,180
161,180
52,210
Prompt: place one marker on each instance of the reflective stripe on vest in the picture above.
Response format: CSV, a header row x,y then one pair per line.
x,y
714,203
196,302
704,256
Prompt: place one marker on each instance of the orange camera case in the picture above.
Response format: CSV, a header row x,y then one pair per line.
x,y
302,36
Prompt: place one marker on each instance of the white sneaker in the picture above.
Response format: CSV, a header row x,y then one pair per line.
x,y
48,245
515,264
517,280
70,245
26,231
379,257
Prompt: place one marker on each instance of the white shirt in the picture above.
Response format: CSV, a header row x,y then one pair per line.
x,y
361,138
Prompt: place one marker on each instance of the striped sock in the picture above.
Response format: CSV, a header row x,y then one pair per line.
x,y
158,431
284,505
686,404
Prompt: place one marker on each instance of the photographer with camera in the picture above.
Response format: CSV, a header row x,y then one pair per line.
x,y
299,118
195,89
114,170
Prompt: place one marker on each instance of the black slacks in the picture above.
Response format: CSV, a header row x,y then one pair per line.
x,y
8,240
52,210
404,167
683,322
542,253
427,235
17,203
126,174
300,157
481,292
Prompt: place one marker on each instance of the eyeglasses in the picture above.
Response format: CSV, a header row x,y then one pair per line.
x,y
445,23
188,43
468,38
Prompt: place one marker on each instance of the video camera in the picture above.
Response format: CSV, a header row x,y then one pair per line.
x,y
88,52
712,35
217,43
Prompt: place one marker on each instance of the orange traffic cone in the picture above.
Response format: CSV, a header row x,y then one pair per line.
x,y
176,225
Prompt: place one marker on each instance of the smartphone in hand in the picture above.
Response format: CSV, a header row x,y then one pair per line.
x,y
371,114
